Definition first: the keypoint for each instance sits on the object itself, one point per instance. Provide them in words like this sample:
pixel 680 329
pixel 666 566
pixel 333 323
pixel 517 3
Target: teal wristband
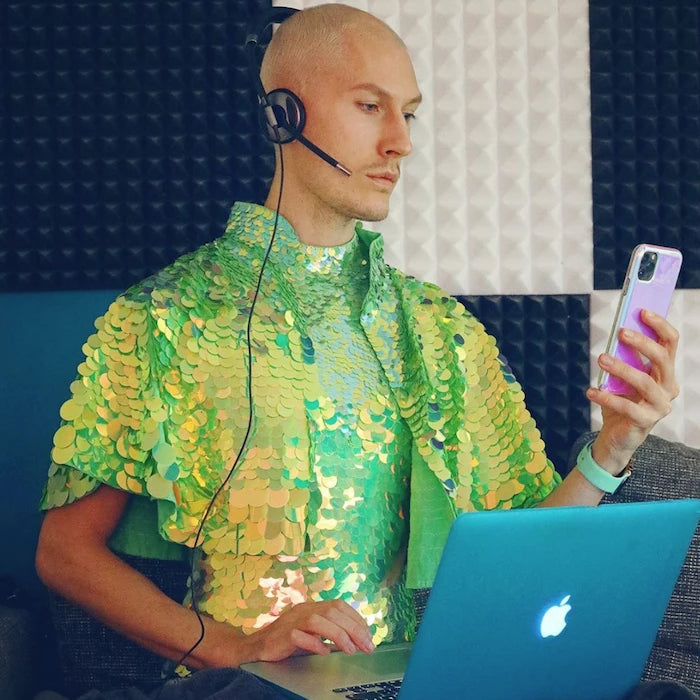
pixel 597 476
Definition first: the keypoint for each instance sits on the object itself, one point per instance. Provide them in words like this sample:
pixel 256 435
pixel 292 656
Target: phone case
pixel 654 294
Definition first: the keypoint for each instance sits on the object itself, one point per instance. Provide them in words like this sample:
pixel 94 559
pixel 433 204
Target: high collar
pixel 253 225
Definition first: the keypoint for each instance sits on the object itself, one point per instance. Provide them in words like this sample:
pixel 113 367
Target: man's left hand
pixel 628 419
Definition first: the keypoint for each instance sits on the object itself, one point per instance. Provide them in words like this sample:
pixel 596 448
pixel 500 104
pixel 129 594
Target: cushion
pixel 17 652
pixel 93 656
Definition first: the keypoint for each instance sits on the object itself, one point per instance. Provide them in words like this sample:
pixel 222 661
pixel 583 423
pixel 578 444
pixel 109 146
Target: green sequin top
pixel 364 381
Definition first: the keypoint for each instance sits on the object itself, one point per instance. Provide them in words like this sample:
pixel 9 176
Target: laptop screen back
pixel 549 603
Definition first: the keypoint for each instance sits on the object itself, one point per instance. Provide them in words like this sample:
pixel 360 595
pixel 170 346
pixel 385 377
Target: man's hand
pixel 627 420
pixel 302 628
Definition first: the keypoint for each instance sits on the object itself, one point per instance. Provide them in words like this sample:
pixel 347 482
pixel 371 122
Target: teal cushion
pixel 43 333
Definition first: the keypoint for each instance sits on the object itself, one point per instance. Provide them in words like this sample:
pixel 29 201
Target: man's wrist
pixel 613 461
pixel 223 646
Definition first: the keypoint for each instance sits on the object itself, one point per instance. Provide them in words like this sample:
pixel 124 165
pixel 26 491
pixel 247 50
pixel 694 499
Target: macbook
pixel 535 604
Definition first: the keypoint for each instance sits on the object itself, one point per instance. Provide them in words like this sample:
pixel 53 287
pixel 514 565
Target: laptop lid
pixel 605 573
pixel 549 603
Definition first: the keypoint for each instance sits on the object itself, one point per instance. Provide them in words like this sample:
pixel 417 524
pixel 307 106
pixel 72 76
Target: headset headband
pixel 276 15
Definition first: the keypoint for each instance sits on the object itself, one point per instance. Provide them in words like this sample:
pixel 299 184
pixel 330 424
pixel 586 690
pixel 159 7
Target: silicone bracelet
pixel 594 473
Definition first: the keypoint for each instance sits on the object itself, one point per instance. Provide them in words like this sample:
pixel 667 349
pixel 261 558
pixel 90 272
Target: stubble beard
pixel 346 200
pixel 363 210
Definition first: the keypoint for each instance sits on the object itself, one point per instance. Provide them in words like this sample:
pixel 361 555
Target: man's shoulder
pixel 186 279
pixel 429 295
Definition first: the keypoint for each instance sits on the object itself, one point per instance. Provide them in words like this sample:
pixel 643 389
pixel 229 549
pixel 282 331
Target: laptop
pixel 535 604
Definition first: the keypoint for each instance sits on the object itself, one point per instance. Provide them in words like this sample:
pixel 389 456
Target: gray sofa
pixel 663 470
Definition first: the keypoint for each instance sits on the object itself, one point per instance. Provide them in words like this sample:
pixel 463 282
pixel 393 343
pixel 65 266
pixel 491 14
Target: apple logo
pixel 554 618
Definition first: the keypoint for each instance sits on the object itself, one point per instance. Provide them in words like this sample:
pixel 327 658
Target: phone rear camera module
pixel 647 266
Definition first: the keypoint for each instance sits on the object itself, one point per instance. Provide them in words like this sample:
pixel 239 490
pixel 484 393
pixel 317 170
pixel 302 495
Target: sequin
pixel 363 379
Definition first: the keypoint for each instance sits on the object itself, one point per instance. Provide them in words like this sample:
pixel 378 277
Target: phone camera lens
pixel 647 266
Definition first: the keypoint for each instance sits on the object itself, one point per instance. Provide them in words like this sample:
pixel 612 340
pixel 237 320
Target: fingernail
pixel 605 360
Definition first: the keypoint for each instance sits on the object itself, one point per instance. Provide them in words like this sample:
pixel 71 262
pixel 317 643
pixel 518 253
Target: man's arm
pixel 74 560
pixel 627 420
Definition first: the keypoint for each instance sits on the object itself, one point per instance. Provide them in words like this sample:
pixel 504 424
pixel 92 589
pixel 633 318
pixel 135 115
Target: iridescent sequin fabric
pixel 363 380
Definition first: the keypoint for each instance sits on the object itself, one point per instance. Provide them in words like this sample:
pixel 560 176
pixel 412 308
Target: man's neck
pixel 313 224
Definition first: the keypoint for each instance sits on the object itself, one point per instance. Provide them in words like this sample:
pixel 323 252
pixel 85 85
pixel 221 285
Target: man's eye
pixel 369 107
pixel 409 116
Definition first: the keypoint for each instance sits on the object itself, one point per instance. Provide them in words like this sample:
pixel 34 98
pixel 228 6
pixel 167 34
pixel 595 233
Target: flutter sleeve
pixel 111 422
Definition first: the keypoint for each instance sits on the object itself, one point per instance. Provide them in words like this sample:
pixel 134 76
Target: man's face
pixel 359 111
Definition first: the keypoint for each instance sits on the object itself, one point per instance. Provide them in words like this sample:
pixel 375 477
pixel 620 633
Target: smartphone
pixel 649 284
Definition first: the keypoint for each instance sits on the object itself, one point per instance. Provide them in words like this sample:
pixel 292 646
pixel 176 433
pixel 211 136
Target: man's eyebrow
pixel 381 92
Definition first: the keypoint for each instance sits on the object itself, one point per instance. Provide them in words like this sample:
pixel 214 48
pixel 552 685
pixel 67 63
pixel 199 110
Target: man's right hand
pixel 302 629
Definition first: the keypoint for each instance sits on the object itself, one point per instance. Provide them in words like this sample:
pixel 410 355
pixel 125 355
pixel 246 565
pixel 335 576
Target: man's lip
pixel 389 176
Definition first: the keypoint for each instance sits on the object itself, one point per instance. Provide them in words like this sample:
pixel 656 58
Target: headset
pixel 282 117
pixel 281 112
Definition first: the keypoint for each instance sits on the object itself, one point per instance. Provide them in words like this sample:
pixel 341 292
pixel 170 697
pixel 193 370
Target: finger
pixel 668 334
pixel 347 610
pixel 308 643
pixel 653 402
pixel 643 415
pixel 322 626
pixel 658 355
pixel 347 618
pixel 645 386
pixel 644 344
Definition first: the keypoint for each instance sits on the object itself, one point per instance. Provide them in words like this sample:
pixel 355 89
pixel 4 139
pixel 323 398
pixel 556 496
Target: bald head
pixel 316 40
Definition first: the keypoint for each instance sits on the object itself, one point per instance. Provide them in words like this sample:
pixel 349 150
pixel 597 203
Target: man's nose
pixel 397 135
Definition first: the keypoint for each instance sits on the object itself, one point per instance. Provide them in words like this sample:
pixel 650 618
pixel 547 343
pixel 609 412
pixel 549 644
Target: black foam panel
pixel 645 129
pixel 545 339
pixel 127 130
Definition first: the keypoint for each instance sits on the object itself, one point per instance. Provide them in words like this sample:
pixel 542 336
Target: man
pixel 364 383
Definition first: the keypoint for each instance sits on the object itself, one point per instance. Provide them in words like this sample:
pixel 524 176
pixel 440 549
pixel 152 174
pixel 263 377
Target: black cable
pixel 267 108
pixel 249 427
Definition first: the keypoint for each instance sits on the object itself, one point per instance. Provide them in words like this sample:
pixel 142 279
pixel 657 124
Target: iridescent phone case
pixel 649 284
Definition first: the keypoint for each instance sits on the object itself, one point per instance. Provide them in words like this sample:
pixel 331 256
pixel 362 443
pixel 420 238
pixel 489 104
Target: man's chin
pixel 374 217
pixel 377 213
pixel 370 208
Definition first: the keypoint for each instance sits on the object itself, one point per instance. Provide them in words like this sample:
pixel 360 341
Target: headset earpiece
pixel 289 114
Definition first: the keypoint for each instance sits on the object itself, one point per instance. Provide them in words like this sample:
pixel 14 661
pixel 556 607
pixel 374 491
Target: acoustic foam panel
pixel 128 129
pixel 645 127
pixel 495 198
pixel 480 67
